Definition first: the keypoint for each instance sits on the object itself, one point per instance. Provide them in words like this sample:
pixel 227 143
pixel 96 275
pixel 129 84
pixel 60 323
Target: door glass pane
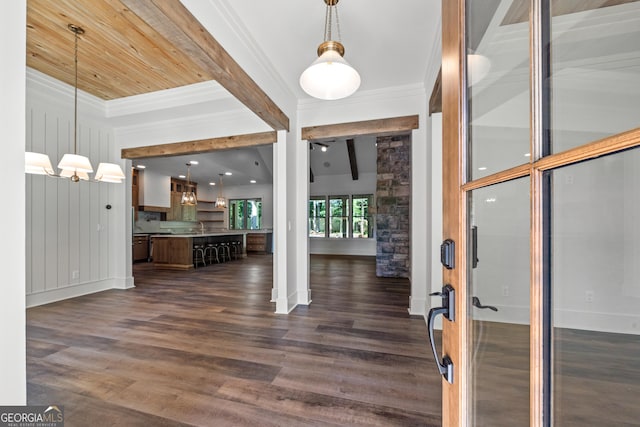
pixel 596 292
pixel 595 70
pixel 498 85
pixel 499 305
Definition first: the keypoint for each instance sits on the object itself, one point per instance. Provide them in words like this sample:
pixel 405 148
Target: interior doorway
pixel 344 209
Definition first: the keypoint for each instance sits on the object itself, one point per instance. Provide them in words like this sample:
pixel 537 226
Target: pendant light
pixel 330 76
pixel 220 200
pixel 73 166
pixel 188 195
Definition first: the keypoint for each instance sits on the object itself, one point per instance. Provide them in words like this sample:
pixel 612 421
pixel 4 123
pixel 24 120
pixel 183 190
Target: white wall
pixel 70 234
pixel 13 26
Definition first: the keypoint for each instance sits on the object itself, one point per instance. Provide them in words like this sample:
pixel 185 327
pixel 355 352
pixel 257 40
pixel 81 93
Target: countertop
pixel 214 233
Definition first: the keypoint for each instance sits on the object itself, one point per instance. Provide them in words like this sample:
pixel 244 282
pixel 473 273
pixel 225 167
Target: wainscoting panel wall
pixel 67 224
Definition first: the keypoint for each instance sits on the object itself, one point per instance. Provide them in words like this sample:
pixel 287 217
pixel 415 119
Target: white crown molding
pixel 53 91
pixel 170 98
pixel 190 128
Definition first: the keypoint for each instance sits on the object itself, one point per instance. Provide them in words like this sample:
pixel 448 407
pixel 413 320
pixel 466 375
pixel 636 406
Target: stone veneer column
pixel 393 206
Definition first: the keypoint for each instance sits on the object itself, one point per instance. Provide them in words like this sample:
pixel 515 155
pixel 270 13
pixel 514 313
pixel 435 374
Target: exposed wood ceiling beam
pixel 353 162
pixel 380 127
pixel 174 22
pixel 200 146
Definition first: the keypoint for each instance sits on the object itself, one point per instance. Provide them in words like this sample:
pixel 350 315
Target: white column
pixel 420 214
pixel 13 24
pixel 279 292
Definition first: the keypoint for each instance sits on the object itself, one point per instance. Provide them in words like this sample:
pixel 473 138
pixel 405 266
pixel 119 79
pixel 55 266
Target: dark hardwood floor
pixel 204 348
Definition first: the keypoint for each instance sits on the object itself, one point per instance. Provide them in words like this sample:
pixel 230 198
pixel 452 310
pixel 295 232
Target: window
pixel 361 221
pixel 245 214
pixel 339 218
pixel 348 216
pixel 317 216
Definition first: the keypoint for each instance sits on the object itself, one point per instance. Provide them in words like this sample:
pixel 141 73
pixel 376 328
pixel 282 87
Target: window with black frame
pixel 245 214
pixel 341 217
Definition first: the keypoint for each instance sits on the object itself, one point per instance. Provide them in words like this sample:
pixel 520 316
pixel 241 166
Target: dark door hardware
pixel 448 311
pixel 448 254
pixel 476 303
pixel 474 247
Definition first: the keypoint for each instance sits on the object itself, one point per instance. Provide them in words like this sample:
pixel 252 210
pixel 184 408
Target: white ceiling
pixel 389 43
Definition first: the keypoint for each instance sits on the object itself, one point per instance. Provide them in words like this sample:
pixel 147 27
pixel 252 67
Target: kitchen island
pixel 175 251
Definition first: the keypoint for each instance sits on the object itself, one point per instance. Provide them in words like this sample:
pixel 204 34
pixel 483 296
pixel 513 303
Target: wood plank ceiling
pixel 121 55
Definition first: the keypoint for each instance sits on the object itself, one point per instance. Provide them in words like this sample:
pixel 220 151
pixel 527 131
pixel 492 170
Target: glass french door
pixel 541 185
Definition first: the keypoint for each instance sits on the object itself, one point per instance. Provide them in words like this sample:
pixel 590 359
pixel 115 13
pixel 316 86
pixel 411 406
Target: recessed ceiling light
pixel 181 176
pixel 527 155
pixel 253 181
pixel 482 168
pixel 491 200
pixel 212 183
pixel 228 173
pixel 323 149
pixel 141 166
pixel 193 162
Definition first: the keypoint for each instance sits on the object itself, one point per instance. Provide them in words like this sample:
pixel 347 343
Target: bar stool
pixel 236 247
pixel 225 251
pixel 211 253
pixel 198 255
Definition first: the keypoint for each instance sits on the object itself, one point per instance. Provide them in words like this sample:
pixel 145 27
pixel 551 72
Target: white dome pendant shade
pixel 330 76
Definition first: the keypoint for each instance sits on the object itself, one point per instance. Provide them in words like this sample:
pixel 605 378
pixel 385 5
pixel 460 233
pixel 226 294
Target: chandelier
pixel 188 195
pixel 73 166
pixel 330 76
pixel 220 200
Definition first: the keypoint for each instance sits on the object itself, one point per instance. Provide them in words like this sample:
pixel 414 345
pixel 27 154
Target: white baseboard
pixel 124 283
pixel 67 292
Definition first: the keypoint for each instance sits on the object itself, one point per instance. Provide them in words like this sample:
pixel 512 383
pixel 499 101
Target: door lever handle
pixel 476 303
pixel 445 368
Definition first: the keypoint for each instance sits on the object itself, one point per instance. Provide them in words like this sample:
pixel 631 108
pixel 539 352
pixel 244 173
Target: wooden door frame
pixel 456 336
pixel 454 136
